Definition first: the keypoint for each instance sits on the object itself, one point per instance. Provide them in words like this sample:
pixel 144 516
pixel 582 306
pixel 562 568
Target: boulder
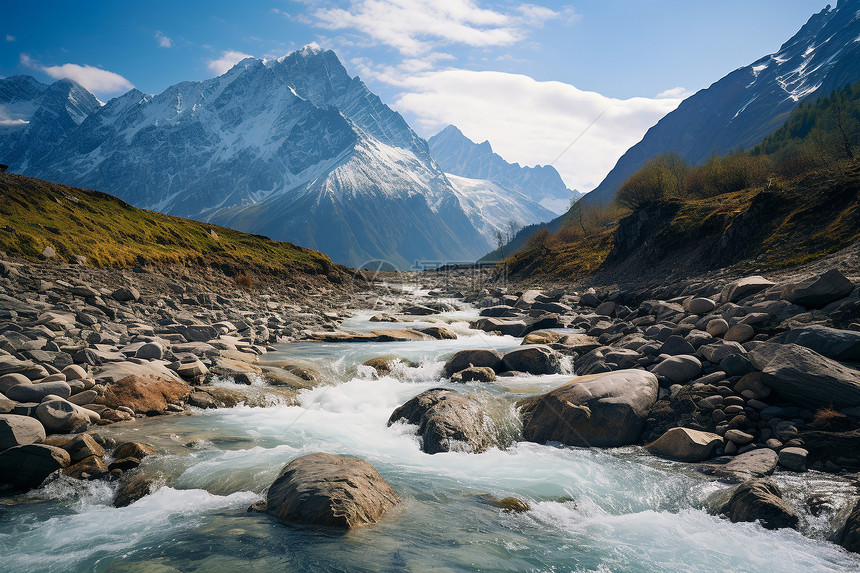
pixel 418 310
pixel 133 450
pixel 805 377
pixel 447 421
pixel 150 351
pixel 581 343
pixel 37 392
pixel 196 332
pixel 62 417
pixel 719 350
pixel 752 464
pixel 739 333
pixel 603 410
pixel 19 431
pixel 533 359
pixel 9 380
pixel 675 345
pixel 499 311
pixel 7 406
pixel 717 327
pixel 125 294
pixel 324 489
pixel 818 292
pixel 542 337
pixel 438 332
pixel 842 345
pixel 793 458
pixel 685 445
pixel 742 288
pixel 474 374
pixel 508 327
pixel 27 368
pixel 527 299
pixel 850 538
pixel 74 372
pixel 679 369
pixel 144 394
pixel 699 305
pixel 478 357
pixel 83 446
pixel 27 466
pixel 135 487
pixel 760 500
pixel 92 467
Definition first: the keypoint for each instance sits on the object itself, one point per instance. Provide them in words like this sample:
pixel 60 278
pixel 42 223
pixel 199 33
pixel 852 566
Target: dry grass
pixel 831 420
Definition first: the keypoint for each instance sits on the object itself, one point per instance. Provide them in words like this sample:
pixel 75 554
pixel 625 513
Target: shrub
pixel 831 420
pixel 244 281
pixel 660 178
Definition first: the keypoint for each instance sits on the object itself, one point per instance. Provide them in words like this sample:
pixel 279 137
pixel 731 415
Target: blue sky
pixel 529 77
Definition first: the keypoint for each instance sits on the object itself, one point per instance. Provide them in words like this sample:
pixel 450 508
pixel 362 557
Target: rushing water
pixel 591 510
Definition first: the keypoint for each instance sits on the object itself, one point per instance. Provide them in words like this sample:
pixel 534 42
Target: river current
pixel 591 510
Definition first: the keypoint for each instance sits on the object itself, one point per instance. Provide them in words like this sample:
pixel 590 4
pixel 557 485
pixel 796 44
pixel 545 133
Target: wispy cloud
pixel 163 40
pixel 416 27
pixel 675 93
pixel 10 38
pixel 96 80
pixel 530 121
pixel 227 60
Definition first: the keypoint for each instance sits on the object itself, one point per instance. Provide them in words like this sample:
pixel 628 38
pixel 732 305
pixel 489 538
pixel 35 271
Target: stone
pixel 133 450
pixel 124 464
pixel 324 489
pixel 92 467
pixel 685 445
pixel 507 327
pixel 511 504
pixel 606 308
pixel 793 458
pixel 805 377
pixel 447 421
pixel 19 431
pixel 742 288
pixel 675 345
pixel 719 350
pixel 760 500
pixel 9 380
pixel 581 343
pixel 439 332
pixel 27 466
pixel 818 292
pixel 7 406
pixel 199 399
pixel 150 351
pixel 739 437
pixel 37 392
pixel 144 394
pixel 74 372
pixel 752 464
pixel 196 332
pixel 699 305
pixel 533 359
pixel 136 487
pixel 474 374
pixel 83 446
pixel 850 537
pixel 62 417
pixel 125 294
pixel 739 333
pixel 603 410
pixel 527 299
pixel 499 311
pixel 478 357
pixel 752 382
pixel 679 369
pixel 841 345
pixel 27 368
pixel 49 253
pixel 717 327
pixel 84 398
pixel 542 337
pixel 736 365
pixel 418 310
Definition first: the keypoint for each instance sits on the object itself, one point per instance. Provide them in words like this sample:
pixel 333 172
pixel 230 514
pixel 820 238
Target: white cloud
pixel 227 60
pixel 533 122
pixel 10 38
pixel 415 27
pixel 675 93
pixel 163 40
pixel 96 80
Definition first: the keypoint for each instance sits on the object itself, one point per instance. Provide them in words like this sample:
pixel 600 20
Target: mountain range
pixel 292 148
pixel 742 108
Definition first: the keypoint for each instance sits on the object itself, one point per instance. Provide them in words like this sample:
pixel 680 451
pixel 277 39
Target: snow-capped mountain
pixel 748 104
pixel 293 148
pixel 458 155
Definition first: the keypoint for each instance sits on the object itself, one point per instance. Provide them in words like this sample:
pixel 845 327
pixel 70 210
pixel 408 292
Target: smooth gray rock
pixel 62 417
pixel 19 431
pixel 719 350
pixel 196 332
pixel 753 464
pixel 793 458
pixel 9 380
pixel 699 305
pixel 685 445
pixel 818 292
pixel 477 357
pixel 36 392
pixel 509 327
pixel 742 288
pixel 805 377
pixel 760 500
pixel 717 327
pixel 676 345
pixel 533 359
pixel 125 294
pixel 604 410
pixel 679 369
pixel 150 351
pixel 842 345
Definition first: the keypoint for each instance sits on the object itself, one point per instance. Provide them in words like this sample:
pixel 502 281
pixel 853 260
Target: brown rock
pixel 133 450
pixel 92 467
pixel 760 500
pixel 144 394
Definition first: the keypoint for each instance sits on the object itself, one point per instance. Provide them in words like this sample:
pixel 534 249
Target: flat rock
pixel 447 421
pixel 685 445
pixel 19 431
pixel 752 464
pixel 602 410
pixel 329 490
pixel 818 292
pixel 842 345
pixel 805 377
pixel 9 380
pixel 742 288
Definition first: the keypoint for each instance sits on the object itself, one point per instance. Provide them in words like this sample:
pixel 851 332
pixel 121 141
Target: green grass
pixel 35 214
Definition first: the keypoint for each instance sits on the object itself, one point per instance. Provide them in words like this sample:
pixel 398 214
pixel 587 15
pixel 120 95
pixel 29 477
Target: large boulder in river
pixel 818 292
pixel 603 410
pixel 144 394
pixel 19 431
pixel 805 377
pixel 842 345
pixel 760 500
pixel 27 466
pixel 752 464
pixel 504 326
pixel 685 445
pixel 324 489
pixel 851 534
pixel 477 357
pixel 447 421
pixel 533 359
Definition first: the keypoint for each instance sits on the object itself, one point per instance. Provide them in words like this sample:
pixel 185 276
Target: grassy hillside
pixel 35 214
pixel 791 200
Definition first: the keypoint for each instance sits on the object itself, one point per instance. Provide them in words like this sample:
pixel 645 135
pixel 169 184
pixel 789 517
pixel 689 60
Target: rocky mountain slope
pixel 293 148
pixel 739 110
pixel 458 155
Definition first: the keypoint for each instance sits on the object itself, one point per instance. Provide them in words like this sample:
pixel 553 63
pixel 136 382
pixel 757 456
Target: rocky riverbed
pixel 741 381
